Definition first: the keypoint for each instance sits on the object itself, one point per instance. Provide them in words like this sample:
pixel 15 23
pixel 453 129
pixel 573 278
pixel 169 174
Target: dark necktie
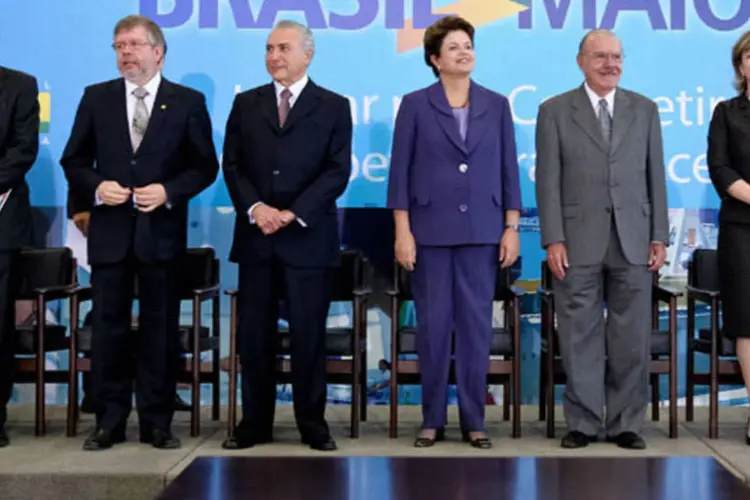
pixel 284 106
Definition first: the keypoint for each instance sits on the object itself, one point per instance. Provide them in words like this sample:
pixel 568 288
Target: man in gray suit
pixel 602 202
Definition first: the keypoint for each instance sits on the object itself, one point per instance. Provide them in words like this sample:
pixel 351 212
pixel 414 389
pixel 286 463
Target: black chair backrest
pixel 45 267
pixel 348 276
pixel 546 275
pixel 703 270
pixel 198 268
pixel 402 282
pixel 503 281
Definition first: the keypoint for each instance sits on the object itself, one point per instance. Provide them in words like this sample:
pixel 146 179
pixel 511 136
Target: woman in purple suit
pixel 455 193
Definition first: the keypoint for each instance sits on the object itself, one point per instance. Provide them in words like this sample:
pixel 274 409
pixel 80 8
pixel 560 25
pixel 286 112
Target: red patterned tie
pixel 284 106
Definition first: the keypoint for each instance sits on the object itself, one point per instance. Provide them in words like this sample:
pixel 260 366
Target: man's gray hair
pixel 594 32
pixel 308 41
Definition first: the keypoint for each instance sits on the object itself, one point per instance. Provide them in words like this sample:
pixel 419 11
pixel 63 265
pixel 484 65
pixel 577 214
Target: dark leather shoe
pixel 576 439
pixel 424 442
pixel 180 404
pixel 628 440
pixel 324 444
pixel 164 440
pixel 102 439
pixel 243 440
pixel 4 441
pixel 483 443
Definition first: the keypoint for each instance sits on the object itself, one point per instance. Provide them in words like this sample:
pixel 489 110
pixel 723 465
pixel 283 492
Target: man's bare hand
pixel 81 220
pixel 287 217
pixel 656 256
pixel 557 259
pixel 112 194
pixel 150 197
pixel 268 219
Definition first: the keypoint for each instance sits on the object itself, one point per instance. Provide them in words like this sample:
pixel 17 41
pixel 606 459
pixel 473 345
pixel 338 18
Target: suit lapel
pixel 118 106
pixel 305 104
pixel 438 100
pixel 584 117
pixel 477 113
pixel 159 112
pixel 268 106
pixel 622 121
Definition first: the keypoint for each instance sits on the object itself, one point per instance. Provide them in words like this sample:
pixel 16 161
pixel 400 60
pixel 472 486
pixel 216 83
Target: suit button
pixel 133 162
pixel 609 210
pixel 463 208
pixel 463 168
pixel 275 172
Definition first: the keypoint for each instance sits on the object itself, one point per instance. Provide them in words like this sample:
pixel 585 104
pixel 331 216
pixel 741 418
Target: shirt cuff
pixel 250 211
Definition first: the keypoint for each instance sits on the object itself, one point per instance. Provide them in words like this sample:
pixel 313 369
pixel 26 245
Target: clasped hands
pixel 147 198
pixel 270 219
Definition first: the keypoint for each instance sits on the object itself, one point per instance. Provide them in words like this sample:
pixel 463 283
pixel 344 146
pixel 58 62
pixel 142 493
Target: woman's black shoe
pixel 483 443
pixel 423 442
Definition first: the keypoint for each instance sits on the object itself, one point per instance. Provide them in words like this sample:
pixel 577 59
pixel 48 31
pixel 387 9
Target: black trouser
pixel 8 288
pixel 156 345
pixel 307 295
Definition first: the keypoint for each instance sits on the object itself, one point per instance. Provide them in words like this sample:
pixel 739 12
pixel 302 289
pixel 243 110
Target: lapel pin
pixel 163 106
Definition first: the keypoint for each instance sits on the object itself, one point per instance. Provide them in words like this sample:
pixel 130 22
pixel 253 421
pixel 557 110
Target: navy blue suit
pixel 456 191
pixel 302 166
pixel 178 152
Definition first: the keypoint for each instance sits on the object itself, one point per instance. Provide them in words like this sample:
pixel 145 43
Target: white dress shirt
pixel 296 89
pixel 595 98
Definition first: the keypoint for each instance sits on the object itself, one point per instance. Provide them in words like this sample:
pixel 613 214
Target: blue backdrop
pixel 677 52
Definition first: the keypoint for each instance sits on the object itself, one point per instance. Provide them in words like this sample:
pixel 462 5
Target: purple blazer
pixel 456 193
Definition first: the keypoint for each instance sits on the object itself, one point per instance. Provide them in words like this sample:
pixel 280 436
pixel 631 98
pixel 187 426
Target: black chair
pixel 663 353
pixel 46 275
pixel 199 282
pixel 346 346
pixel 703 287
pixel 506 343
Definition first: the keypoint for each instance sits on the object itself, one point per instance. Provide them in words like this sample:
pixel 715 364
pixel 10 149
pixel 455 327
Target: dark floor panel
pixel 376 478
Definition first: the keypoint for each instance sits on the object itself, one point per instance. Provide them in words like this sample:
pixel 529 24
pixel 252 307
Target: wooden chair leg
pixel 690 362
pixel 506 399
pixel 216 364
pixel 673 427
pixel 356 370
pixel 393 427
pixel 41 358
pixel 516 368
pixel 232 417
pixel 195 372
pixel 363 386
pixel 713 417
pixel 542 388
pixel 72 392
pixel 654 397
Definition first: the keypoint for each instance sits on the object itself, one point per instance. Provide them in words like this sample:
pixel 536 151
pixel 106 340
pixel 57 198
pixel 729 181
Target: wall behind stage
pixel 677 52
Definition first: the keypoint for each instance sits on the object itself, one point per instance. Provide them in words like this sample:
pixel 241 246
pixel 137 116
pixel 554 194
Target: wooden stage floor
pixel 390 478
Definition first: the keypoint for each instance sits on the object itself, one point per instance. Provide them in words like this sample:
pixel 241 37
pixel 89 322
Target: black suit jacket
pixel 19 145
pixel 729 155
pixel 303 167
pixel 177 152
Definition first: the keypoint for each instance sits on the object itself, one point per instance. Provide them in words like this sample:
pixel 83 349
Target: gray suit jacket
pixel 580 181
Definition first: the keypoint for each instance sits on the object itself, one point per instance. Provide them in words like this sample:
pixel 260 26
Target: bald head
pixel 600 59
